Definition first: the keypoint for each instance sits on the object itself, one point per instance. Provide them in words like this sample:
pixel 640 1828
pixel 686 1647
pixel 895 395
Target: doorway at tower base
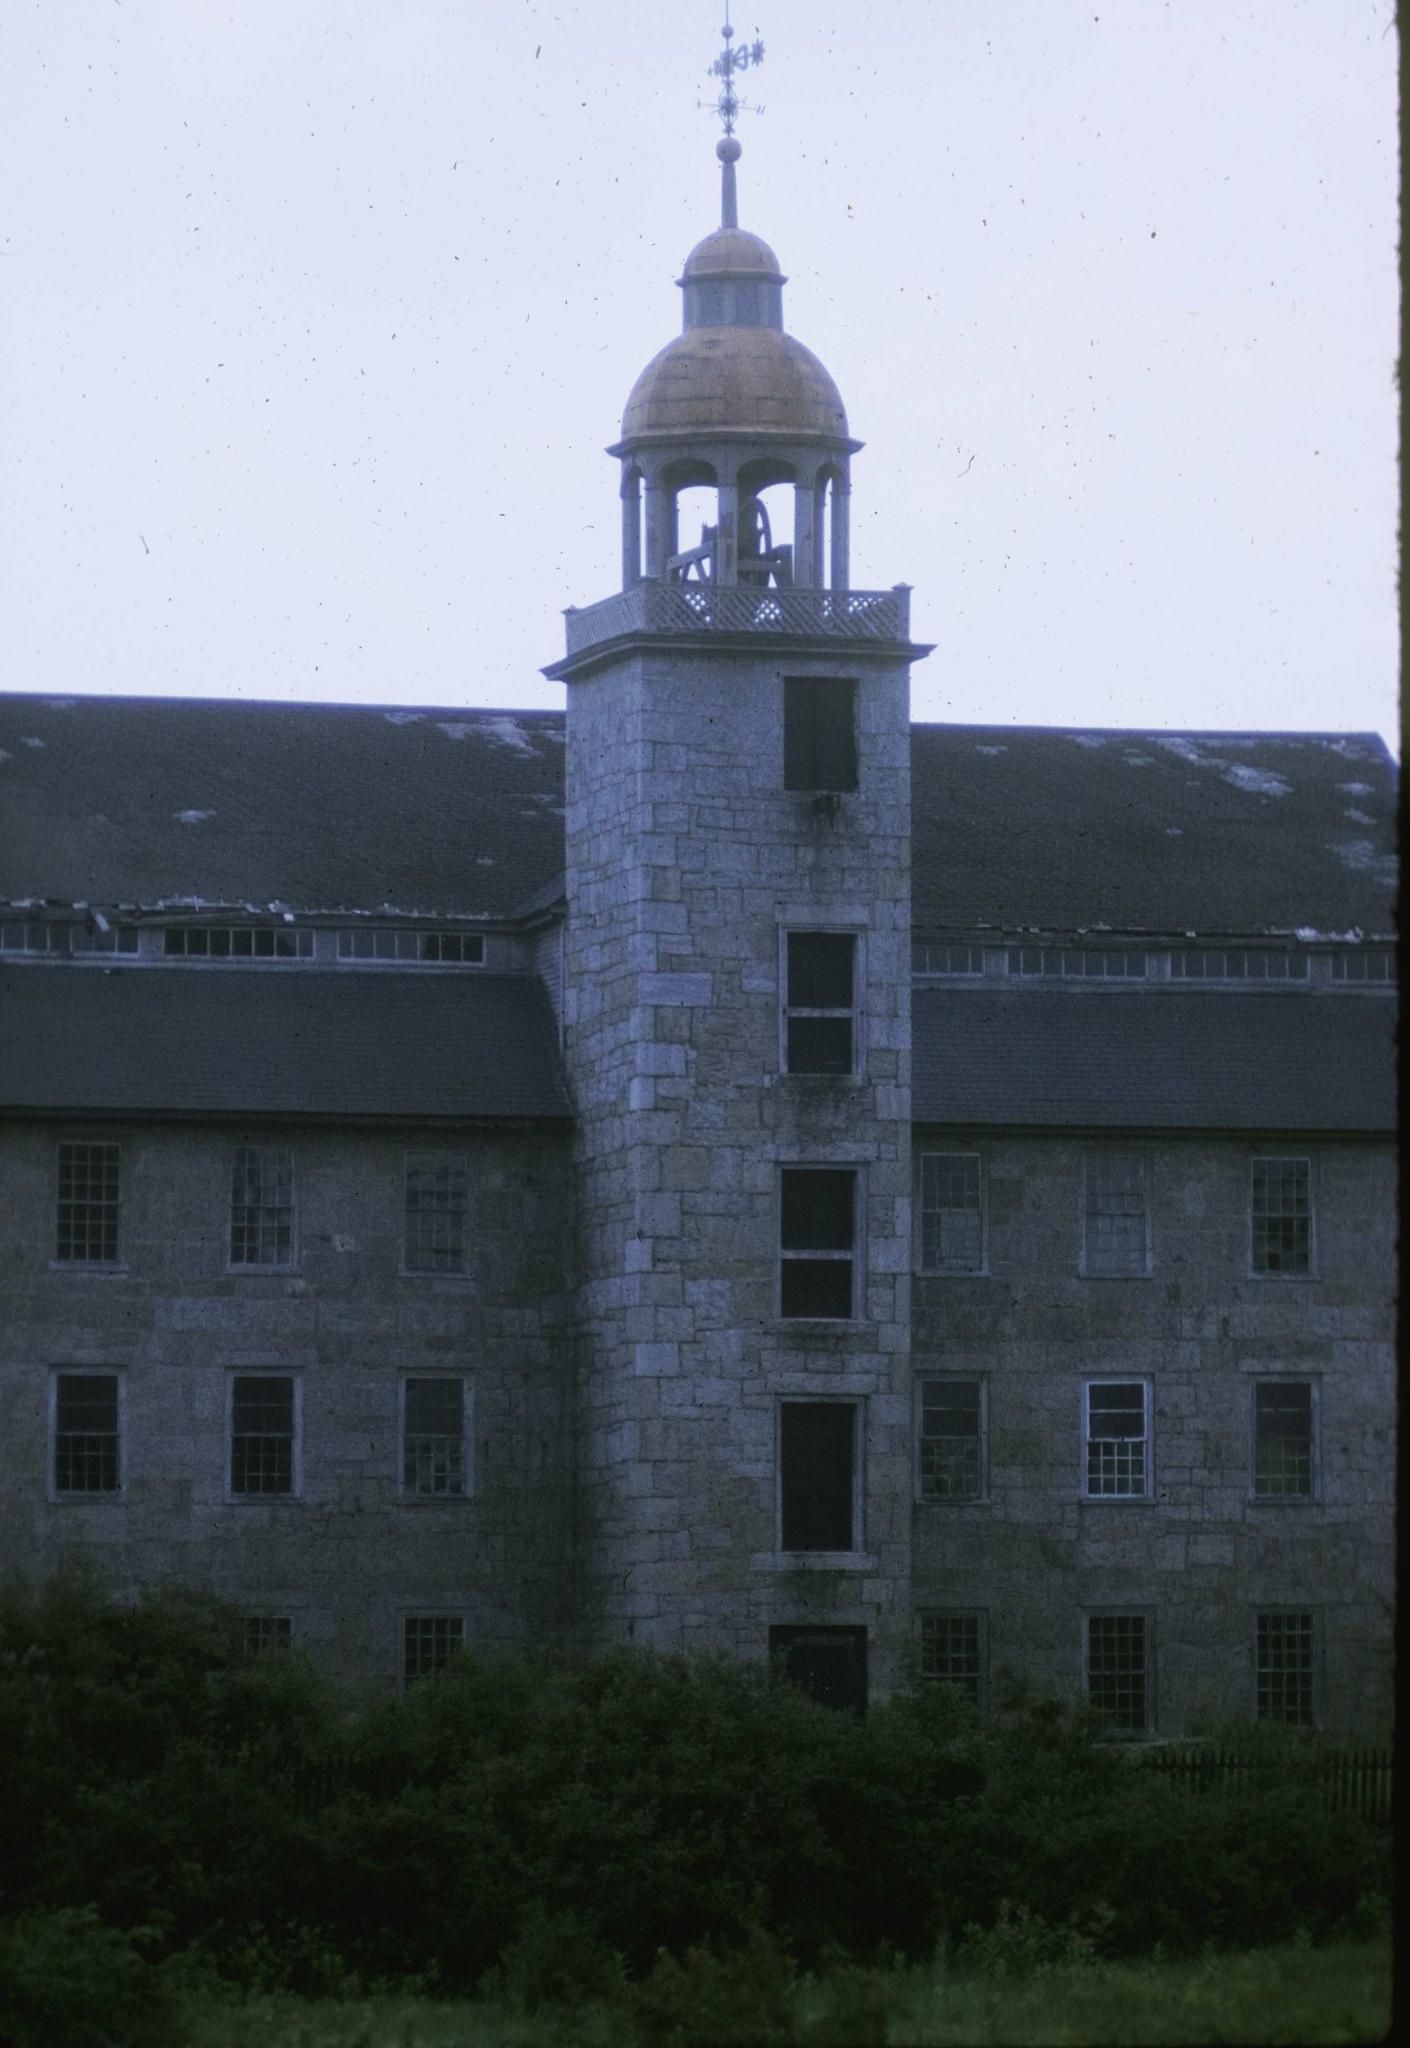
pixel 829 1664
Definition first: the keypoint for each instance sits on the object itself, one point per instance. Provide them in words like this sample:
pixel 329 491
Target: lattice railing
pixel 707 608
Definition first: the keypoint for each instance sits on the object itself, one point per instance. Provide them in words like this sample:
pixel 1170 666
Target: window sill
pixel 263 1272
pixel 820 1084
pixel 263 1500
pixel 103 1269
pixel 1100 1277
pixel 113 1497
pixel 424 1273
pixel 814 1327
pixel 434 1500
pixel 954 1500
pixel 1118 1500
pixel 1298 1501
pixel 1277 1279
pixel 815 1561
pixel 952 1273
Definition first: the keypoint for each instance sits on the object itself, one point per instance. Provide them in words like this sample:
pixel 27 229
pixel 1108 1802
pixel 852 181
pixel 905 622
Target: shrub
pixel 66 1981
pixel 743 1995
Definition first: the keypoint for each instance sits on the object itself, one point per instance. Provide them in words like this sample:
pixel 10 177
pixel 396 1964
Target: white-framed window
pixel 1284 1437
pixel 236 942
pixel 262 1207
pixel 819 1476
pixel 435 1436
pixel 429 1642
pixel 818 1242
pixel 266 1633
pixel 1116 1215
pixel 953 1438
pixel 105 938
pixel 937 956
pixel 954 1650
pixel 437 1212
pixel 1280 1216
pixel 1117 1445
pixel 374 943
pixel 1236 963
pixel 264 1435
pixel 1083 963
pixel 33 935
pixel 819 1002
pixel 1369 963
pixel 952 1212
pixel 1118 1654
pixel 1285 1666
pixel 89 1186
pixel 85 1433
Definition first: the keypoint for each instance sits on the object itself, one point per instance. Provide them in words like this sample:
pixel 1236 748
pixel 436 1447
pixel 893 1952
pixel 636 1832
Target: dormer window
pixel 387 943
pixel 236 942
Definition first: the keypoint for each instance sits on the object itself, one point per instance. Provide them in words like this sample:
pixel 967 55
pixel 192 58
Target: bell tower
pixel 737 1013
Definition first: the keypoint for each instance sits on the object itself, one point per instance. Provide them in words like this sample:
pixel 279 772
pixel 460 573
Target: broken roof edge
pixel 981 933
pixel 1288 734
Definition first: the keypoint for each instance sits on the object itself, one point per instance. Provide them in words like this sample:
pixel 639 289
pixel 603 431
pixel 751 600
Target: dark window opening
pixel 1286 1669
pixel 952 1652
pixel 817 1475
pixel 262 1434
pixel 820 999
pixel 88 1204
pixel 1282 1437
pixel 819 733
pixel 429 1642
pixel 268 1632
pixel 1116 1671
pixel 828 1664
pixel 433 1438
pixel 817 1242
pixel 1282 1216
pixel 86 1433
pixel 952 1440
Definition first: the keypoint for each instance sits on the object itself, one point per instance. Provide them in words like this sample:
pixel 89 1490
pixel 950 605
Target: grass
pixel 1299 1996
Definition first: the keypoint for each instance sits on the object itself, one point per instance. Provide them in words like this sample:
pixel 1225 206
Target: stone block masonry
pixel 676 804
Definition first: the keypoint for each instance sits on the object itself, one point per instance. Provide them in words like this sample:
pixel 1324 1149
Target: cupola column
pixel 727 543
pixel 805 533
pixel 631 526
pixel 660 506
pixel 841 529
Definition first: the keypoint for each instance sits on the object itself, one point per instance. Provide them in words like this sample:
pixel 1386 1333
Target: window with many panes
pixel 952 1439
pixel 934 956
pixel 954 1651
pixel 817 1475
pixel 819 733
pixel 1375 963
pixel 951 1212
pixel 87 1433
pixel 817 1242
pixel 1284 1447
pixel 88 1204
pixel 1285 1667
pixel 437 1209
pixel 1115 1229
pixel 108 938
pixel 429 1641
pixel 263 1423
pixel 1118 1671
pixel 819 1002
pixel 1117 1462
pixel 384 942
pixel 1223 963
pixel 268 1632
pixel 1281 1203
pixel 1083 963
pixel 262 1206
pixel 236 942
pixel 434 1447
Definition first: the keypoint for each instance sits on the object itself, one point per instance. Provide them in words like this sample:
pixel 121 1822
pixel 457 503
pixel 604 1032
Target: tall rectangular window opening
pixel 437 1205
pixel 817 1242
pixel 1285 1663
pixel 1118 1671
pixel 953 1651
pixel 88 1205
pixel 262 1428
pixel 952 1439
pixel 819 733
pixel 1115 1237
pixel 433 1439
pixel 951 1213
pixel 87 1433
pixel 1283 1440
pixel 818 1475
pixel 1282 1215
pixel 1118 1439
pixel 262 1207
pixel 429 1641
pixel 820 1002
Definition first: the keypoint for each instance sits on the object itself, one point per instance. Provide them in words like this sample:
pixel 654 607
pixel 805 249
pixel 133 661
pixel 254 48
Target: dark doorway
pixel 829 1664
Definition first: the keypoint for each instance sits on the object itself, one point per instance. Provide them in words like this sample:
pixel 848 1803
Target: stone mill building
pixel 720 1167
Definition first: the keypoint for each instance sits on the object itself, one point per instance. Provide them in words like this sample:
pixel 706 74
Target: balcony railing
pixel 653 607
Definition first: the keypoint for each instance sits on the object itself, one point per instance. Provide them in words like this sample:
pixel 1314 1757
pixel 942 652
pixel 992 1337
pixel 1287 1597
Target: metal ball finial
pixel 729 149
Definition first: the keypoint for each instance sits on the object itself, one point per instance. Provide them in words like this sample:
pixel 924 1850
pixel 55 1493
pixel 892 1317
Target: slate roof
pixel 1158 1058
pixel 1152 831
pixel 139 801
pixel 277 1042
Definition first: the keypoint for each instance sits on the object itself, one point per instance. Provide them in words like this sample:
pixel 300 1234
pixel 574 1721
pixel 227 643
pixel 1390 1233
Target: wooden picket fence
pixel 1346 1780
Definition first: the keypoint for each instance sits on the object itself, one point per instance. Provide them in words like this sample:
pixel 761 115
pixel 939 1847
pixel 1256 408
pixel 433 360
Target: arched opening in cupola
pixel 831 543
pixel 767 521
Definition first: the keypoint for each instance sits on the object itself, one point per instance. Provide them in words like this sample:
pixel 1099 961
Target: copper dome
pixel 746 380
pixel 731 252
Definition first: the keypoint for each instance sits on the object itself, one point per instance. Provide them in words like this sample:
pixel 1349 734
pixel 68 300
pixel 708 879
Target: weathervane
pixel 727 103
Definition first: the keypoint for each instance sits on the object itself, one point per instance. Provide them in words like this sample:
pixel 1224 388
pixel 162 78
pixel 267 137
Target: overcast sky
pixel 321 312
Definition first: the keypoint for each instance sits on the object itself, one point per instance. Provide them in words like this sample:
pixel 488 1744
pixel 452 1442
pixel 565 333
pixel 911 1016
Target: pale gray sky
pixel 320 313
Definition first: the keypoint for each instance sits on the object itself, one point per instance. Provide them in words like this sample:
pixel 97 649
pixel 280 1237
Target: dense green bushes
pixel 564 1825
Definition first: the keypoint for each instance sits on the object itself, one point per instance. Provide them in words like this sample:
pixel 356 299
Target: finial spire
pixel 729 106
